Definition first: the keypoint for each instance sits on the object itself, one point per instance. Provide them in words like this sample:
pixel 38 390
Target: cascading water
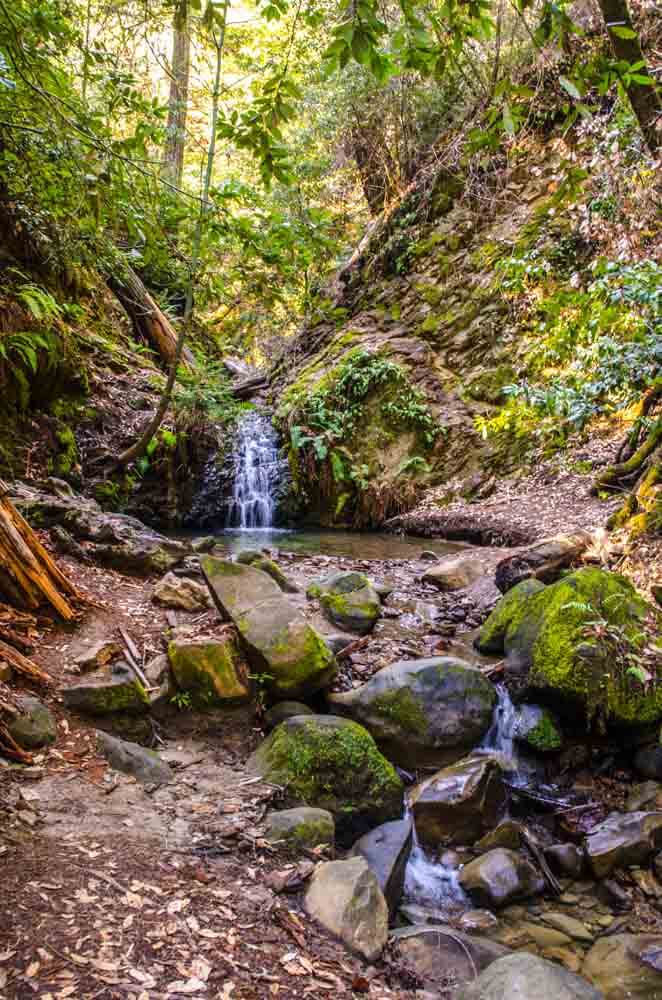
pixel 258 470
pixel 432 882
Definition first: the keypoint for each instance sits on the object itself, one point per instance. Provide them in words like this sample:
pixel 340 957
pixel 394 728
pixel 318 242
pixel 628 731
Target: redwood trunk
pixel 149 322
pixel 173 157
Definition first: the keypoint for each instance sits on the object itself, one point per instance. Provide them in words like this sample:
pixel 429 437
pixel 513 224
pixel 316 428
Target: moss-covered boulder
pixel 290 656
pixel 108 693
pixel 34 726
pixel 559 638
pixel 349 601
pixel 212 671
pixel 538 729
pixel 296 829
pixel 249 557
pixel 333 764
pixel 428 711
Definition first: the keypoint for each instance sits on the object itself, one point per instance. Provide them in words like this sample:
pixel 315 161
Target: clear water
pixel 257 472
pixel 350 544
pixel 431 883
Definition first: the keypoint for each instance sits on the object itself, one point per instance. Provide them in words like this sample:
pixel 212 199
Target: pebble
pixel 569 925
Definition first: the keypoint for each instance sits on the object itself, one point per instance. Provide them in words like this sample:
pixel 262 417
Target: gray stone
pixel 544 560
pixel 108 693
pixel 566 860
pixel 387 851
pixel 131 758
pixel 34 726
pixel 527 977
pixel 428 711
pixel 500 877
pixel 441 955
pixel 623 839
pixel 458 572
pixel 97 654
pixel 301 827
pixel 506 834
pixel 181 592
pixel 460 803
pixel 283 710
pixel 345 898
pixel 337 643
pixel 618 965
pixel 348 600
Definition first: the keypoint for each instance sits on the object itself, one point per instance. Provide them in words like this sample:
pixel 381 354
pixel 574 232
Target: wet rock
pixel 284 710
pixel 107 693
pixel 334 764
pixel 130 758
pixel 348 600
pixel 566 860
pixel 458 572
pixel 181 592
pixel 423 711
pixel 212 672
pixel 478 921
pixel 527 977
pixel 500 877
pixel 542 561
pixel 648 762
pixel 646 797
pixel 441 954
pixel 97 654
pixel 623 839
pixel 618 965
pixel 34 726
pixel 301 827
pixel 506 834
pixel 344 896
pixel 278 641
pixel 538 729
pixel 460 803
pixel 387 851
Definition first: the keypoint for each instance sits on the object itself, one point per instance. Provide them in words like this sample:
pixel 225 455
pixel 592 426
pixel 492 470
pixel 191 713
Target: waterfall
pixel 257 472
pixel 499 740
pixel 430 882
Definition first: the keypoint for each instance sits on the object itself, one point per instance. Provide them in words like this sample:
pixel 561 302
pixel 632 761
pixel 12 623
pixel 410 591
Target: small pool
pixel 351 544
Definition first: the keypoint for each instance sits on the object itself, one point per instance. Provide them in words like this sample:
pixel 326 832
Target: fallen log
pixel 22 665
pixel 542 561
pixel 149 322
pixel 10 748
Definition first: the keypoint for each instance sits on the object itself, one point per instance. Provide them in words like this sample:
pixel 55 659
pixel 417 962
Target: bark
pixel 644 98
pixel 173 156
pixel 28 575
pixel 149 322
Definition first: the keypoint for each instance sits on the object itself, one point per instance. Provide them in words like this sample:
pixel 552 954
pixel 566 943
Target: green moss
pixel 67 457
pixel 212 673
pixel 403 708
pixel 545 736
pixel 508 613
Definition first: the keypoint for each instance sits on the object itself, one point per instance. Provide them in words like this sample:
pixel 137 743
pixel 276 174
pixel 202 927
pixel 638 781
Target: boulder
pixel 506 614
pixel 212 671
pixel 527 977
pixel 302 827
pixel 544 560
pixel 645 797
pixel 626 966
pixel 460 803
pixel 457 572
pixel 34 726
pixel 279 643
pixel 500 877
pixel 107 693
pixel 566 860
pixel 441 955
pixel 130 758
pixel 538 729
pixel 345 898
pixel 623 839
pixel 546 641
pixel 427 711
pixel 271 568
pixel 387 851
pixel 506 834
pixel 284 710
pixel 97 654
pixel 349 601
pixel 334 764
pixel 181 592
pixel 648 762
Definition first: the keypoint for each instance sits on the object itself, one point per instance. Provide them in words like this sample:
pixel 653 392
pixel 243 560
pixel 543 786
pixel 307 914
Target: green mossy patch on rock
pixel 509 612
pixel 213 673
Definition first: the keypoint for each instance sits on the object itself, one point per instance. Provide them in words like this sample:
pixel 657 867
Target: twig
pixel 133 657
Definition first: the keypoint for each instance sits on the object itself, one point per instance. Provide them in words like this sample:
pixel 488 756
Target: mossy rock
pixel 552 641
pixel 349 601
pixel 509 611
pixel 334 764
pixel 102 694
pixel 212 672
pixel 300 828
pixel 538 728
pixel 273 570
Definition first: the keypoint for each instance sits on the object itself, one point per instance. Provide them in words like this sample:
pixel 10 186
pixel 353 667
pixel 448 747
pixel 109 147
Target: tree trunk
pixel 149 322
pixel 28 574
pixel 644 98
pixel 173 156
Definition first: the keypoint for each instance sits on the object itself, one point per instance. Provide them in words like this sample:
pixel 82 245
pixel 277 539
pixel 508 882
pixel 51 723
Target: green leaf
pixel 622 32
pixel 570 87
pixel 508 123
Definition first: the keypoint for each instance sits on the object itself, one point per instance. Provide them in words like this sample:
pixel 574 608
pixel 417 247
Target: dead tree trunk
pixel 149 322
pixel 28 575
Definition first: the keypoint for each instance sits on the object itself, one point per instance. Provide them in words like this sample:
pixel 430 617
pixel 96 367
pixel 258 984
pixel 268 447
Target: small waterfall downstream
pixel 257 472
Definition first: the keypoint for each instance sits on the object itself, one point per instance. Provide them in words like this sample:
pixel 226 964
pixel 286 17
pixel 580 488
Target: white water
pixel 258 469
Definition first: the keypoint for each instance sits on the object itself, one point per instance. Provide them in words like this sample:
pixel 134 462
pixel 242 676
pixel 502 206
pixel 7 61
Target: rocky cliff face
pixel 422 298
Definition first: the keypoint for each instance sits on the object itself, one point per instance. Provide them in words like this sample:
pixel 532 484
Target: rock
pixel 250 557
pixel 614 896
pixel 646 797
pixel 159 676
pixel 542 561
pixel 130 758
pixel 538 729
pixel 204 544
pixel 441 955
pixel 337 643
pixel 213 671
pixel 181 592
pixel 345 898
pixel 106 694
pixel 477 921
pixel 387 851
pixel 566 860
pixel 506 614
pixel 506 834
pixel 349 601
pixel 574 928
pixel 278 641
pixel 334 764
pixel 34 726
pixel 546 641
pixel 623 839
pixel 384 590
pixel 527 977
pixel 300 827
pixel 458 572
pixel 427 711
pixel 97 654
pixel 283 710
pixel 648 762
pixel 460 803
pixel 616 966
pixel 500 877
pixel 428 556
